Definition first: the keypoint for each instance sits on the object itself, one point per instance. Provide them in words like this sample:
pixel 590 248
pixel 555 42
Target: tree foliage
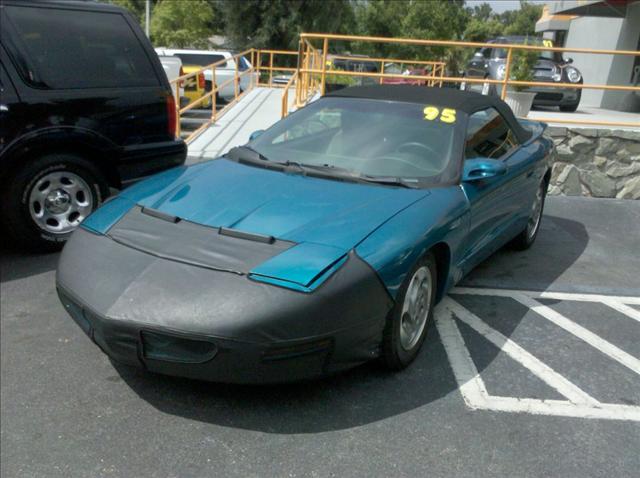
pixel 485 24
pixel 180 24
pixel 433 20
pixel 523 21
pixel 277 23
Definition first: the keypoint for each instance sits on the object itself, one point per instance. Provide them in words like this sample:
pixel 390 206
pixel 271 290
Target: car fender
pixel 442 217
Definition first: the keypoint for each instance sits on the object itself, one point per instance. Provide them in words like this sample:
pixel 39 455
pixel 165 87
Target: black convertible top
pixel 467 101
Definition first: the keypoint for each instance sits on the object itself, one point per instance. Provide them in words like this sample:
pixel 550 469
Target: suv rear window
pixel 60 48
pixel 200 59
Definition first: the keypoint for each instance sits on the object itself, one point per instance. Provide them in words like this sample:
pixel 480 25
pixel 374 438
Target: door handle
pixel 529 174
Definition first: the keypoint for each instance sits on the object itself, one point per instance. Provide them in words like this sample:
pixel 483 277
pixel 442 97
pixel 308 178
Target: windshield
pixel 554 56
pixel 371 138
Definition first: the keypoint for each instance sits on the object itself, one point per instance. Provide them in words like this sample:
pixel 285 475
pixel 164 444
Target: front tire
pixel 49 197
pixel 527 237
pixel 411 315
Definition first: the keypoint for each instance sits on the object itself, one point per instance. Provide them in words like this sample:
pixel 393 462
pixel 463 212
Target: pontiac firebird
pixel 323 243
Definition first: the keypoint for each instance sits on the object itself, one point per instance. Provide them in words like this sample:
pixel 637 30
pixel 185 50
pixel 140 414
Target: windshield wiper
pixel 240 152
pixel 317 167
pixel 390 180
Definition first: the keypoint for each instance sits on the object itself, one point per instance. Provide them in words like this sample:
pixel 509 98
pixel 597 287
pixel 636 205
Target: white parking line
pixel 547 295
pixel 472 387
pixel 520 355
pixel 623 308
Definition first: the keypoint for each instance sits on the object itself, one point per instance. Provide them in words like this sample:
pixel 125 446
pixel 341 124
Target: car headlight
pixel 500 72
pixel 573 74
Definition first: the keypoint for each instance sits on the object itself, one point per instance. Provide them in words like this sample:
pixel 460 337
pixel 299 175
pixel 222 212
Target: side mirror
pixel 255 134
pixel 477 169
pixel 568 60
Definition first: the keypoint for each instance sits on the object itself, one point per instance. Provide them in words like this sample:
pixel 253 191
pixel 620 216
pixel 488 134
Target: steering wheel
pixel 413 145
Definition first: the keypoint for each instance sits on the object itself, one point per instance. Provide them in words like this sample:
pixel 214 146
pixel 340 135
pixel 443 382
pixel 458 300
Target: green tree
pixel 277 23
pixel 523 21
pixel 432 20
pixel 483 30
pixel 180 24
pixel 482 12
pixel 135 7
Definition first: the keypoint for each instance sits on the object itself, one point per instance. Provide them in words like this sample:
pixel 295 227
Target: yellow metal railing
pixel 255 72
pixel 434 69
pixel 272 55
pixel 285 94
pixel 309 76
pixel 306 88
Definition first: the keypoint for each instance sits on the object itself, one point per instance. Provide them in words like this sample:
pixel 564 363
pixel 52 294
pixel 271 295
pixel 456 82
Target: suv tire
pixel 48 197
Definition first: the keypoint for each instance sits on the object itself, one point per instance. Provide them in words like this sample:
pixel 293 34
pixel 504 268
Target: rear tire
pixel 47 199
pixel 527 237
pixel 411 315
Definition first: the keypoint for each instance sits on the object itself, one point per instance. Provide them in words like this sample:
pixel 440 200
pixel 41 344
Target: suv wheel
pixel 49 197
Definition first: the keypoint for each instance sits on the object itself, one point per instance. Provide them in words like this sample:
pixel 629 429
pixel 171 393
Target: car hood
pixel 321 220
pixel 292 207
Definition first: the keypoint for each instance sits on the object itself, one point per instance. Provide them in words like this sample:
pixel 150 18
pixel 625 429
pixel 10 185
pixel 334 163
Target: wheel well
pixel 30 152
pixel 442 254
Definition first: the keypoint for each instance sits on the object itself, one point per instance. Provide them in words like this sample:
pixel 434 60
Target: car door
pixel 496 203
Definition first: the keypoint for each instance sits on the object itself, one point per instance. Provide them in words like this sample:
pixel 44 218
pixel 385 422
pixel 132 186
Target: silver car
pixel 490 62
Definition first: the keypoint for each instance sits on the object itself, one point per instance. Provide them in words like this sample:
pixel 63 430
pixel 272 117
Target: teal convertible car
pixel 323 243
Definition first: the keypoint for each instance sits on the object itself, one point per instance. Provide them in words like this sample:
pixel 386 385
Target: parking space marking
pixel 520 355
pixel 578 404
pixel 623 308
pixel 528 300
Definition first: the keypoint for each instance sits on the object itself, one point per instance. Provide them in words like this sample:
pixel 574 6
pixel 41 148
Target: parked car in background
pixel 490 62
pixel 396 69
pixel 352 63
pixel 193 60
pixel 172 66
pixel 85 107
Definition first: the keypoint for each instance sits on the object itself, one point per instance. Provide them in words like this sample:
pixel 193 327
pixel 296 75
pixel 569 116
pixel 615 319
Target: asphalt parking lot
pixel 531 369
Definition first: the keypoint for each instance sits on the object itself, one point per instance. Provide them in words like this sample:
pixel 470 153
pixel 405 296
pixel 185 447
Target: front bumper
pixel 249 332
pixel 547 96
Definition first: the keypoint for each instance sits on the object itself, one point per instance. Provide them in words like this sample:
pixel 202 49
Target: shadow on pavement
pixel 17 264
pixel 367 393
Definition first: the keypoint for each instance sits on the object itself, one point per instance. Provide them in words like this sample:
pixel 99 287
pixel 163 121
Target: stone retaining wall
pixel 596 162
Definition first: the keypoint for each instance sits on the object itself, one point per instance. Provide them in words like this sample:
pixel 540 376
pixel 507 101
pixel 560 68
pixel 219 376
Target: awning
pixel 590 8
pixel 549 22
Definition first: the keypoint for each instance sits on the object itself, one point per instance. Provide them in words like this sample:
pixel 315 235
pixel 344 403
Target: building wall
pixel 606 34
pixel 622 66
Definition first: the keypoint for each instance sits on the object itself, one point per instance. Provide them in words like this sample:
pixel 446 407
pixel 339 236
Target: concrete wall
pixel 606 34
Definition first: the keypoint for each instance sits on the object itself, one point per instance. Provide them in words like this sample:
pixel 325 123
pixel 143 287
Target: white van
pixel 172 66
pixel 224 72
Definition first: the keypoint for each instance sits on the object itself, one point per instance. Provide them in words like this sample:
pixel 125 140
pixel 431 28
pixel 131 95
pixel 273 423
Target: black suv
pixel 85 106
